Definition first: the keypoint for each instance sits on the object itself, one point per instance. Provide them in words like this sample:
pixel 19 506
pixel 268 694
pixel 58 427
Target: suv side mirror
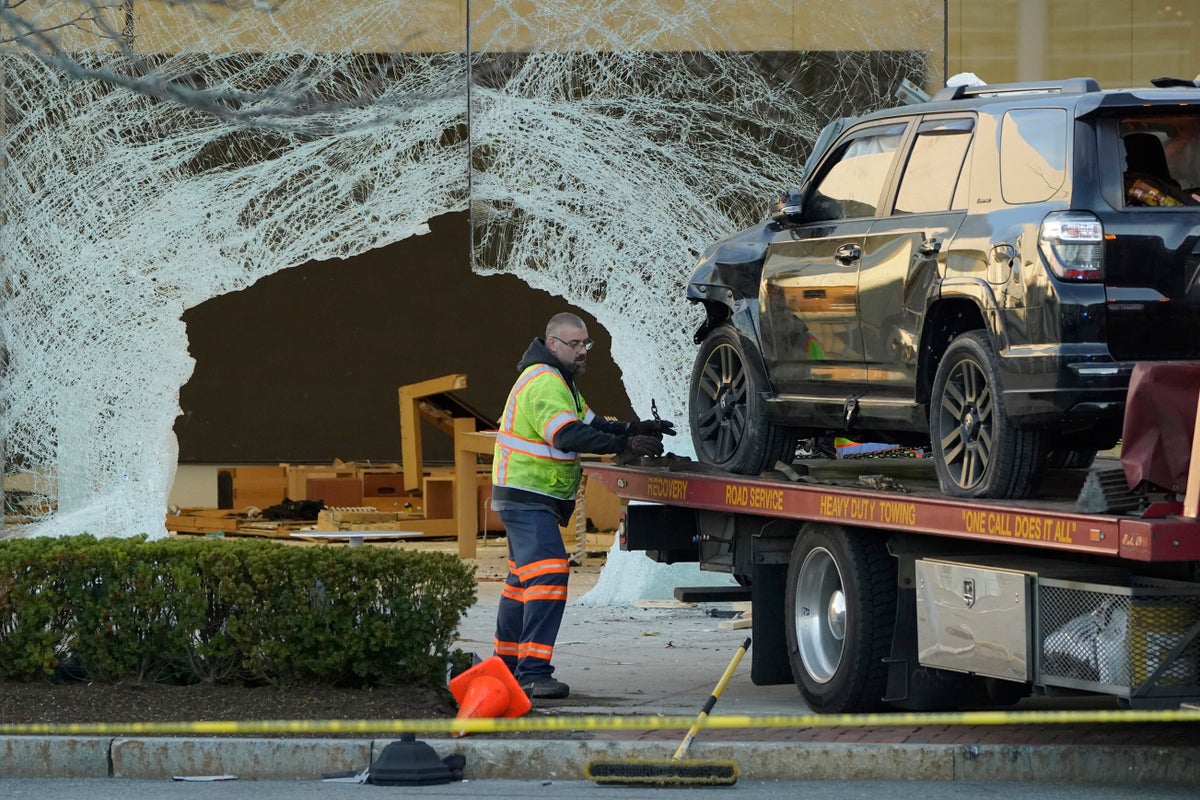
pixel 789 208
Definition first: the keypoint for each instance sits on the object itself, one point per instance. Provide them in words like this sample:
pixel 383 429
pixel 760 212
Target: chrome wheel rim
pixel 820 615
pixel 720 404
pixel 966 423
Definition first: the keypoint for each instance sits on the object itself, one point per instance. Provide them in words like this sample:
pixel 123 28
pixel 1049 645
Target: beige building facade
pixel 269 336
pixel 1119 42
pixel 527 25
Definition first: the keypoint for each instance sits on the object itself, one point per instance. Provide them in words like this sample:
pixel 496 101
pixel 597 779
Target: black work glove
pixel 652 427
pixel 643 446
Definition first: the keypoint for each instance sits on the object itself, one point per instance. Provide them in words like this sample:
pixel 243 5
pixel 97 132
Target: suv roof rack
pixel 1068 86
pixel 1174 83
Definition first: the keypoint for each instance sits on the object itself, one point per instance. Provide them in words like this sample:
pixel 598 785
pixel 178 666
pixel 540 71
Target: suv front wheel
pixel 977 451
pixel 729 426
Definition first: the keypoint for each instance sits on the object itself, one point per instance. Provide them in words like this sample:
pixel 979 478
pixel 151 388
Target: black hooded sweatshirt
pixel 598 436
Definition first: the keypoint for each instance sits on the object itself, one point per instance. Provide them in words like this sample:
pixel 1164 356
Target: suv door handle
pixel 930 247
pixel 847 254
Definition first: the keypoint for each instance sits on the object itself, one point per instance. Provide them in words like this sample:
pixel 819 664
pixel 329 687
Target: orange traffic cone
pixel 488 690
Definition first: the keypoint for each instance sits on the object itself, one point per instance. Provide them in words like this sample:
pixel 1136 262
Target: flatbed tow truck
pixel 872 591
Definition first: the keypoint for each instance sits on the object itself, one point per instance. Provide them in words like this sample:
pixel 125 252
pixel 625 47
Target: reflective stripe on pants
pixel 535 592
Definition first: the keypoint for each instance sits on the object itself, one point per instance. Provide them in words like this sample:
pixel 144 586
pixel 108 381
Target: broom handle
pixel 712 701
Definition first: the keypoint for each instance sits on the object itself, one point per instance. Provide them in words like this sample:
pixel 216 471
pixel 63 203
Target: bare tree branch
pixel 292 104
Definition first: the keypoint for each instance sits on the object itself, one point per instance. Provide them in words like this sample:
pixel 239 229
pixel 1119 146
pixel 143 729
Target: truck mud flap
pixel 912 687
pixel 769 664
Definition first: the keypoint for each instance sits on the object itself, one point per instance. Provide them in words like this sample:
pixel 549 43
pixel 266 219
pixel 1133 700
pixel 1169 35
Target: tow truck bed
pixel 837 495
pixel 870 589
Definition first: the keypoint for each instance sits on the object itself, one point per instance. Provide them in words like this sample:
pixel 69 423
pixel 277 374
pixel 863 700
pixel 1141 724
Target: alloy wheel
pixel 721 403
pixel 966 417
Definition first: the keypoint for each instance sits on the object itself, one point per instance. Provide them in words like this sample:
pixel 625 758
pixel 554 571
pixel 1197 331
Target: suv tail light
pixel 1072 242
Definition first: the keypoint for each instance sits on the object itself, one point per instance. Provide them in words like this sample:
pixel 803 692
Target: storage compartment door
pixel 974 619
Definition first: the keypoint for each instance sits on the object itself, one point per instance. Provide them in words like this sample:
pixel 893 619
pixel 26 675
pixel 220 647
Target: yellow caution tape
pixel 593 723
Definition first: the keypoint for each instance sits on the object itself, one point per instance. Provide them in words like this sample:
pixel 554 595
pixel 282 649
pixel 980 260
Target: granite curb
pixel 525 759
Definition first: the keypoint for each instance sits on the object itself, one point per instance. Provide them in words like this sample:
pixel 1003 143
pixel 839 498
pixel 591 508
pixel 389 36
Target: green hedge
pixel 228 611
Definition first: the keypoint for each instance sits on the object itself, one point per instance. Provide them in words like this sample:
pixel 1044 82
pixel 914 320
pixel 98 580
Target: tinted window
pixel 1161 159
pixel 932 171
pixel 1033 154
pixel 851 187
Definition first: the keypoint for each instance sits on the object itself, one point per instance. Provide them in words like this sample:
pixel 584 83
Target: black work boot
pixel 545 688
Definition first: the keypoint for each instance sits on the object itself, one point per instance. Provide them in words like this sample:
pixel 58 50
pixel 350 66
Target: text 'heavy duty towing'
pixel 869 591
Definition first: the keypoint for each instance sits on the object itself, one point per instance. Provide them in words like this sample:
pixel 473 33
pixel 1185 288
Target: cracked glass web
pixel 598 146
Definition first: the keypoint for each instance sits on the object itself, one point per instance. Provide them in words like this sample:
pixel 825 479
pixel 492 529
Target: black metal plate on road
pixel 712 594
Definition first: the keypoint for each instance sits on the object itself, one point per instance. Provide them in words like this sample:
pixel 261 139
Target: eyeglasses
pixel 575 344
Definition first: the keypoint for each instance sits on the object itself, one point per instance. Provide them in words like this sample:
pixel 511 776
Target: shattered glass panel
pixel 159 153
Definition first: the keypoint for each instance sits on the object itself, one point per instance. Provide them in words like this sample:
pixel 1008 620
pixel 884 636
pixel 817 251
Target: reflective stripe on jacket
pixel 538 406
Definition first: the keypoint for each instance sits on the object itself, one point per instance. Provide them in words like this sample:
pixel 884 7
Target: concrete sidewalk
pixel 663 660
pixel 658 661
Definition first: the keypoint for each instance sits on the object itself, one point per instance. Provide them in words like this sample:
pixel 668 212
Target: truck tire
pixel 977 451
pixel 729 427
pixel 841 613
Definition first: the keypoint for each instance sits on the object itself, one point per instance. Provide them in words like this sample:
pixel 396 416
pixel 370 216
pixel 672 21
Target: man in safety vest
pixel 535 473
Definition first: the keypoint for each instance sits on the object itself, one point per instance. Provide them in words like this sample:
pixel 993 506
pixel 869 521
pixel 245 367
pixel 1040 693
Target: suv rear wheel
pixel 729 426
pixel 977 451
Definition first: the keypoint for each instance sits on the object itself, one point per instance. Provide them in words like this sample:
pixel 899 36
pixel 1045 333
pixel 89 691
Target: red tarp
pixel 1160 419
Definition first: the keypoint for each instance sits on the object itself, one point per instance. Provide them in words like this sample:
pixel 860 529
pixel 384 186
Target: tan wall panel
pixel 746 25
pixel 306 25
pixel 522 25
pixel 658 25
pixel 868 25
pixel 1117 42
pixel 1166 41
pixel 953 41
pixel 1097 45
pixel 982 38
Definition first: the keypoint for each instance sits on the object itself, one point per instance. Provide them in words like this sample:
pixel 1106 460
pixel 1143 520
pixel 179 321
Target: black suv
pixel 977 273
